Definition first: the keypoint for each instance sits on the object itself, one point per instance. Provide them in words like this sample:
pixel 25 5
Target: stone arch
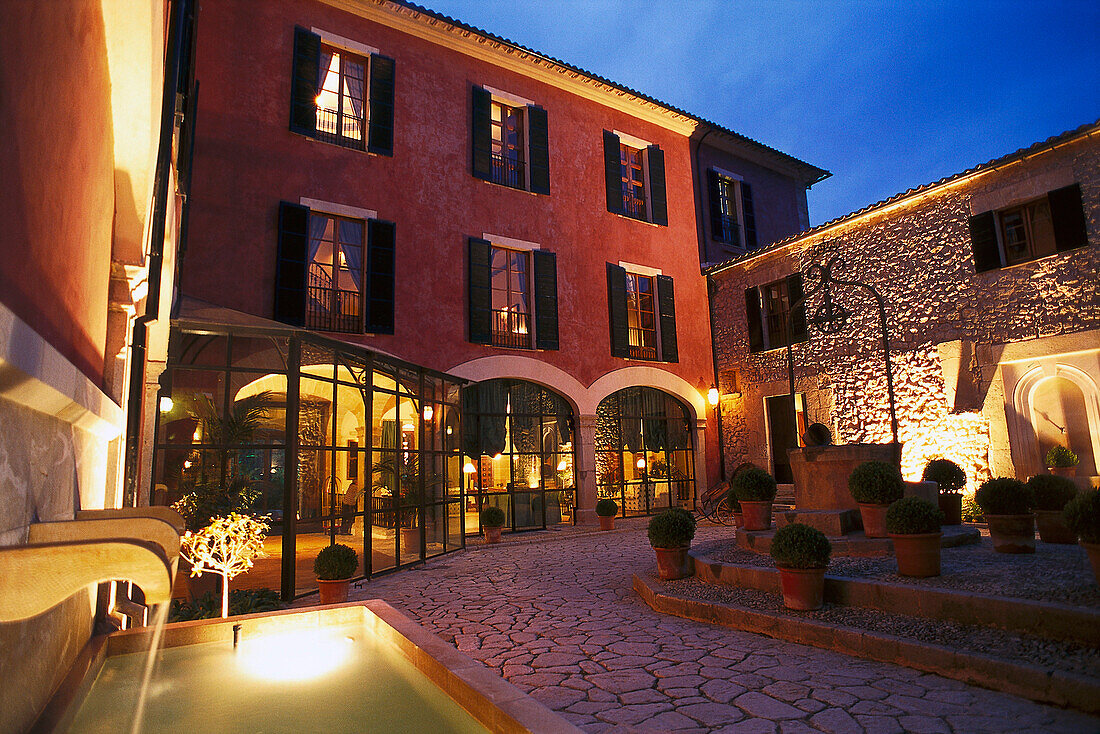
pixel 1025 440
pixel 639 376
pixel 525 368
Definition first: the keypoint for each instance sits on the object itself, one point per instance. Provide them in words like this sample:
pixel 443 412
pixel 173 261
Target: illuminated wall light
pixel 449 430
pixel 428 412
pixel 712 396
pixel 408 427
pixel 187 464
pixel 641 462
pixel 197 435
pixel 497 457
pixel 165 404
pixel 561 465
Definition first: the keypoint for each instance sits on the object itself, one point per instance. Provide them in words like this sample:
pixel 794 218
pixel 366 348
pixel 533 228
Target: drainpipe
pixel 177 45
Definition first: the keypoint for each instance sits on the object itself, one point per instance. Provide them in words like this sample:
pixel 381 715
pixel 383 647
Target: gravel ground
pixel 1054 573
pixel 1011 646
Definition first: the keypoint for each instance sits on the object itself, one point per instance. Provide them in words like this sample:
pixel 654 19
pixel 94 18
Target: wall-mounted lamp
pixel 712 396
pixel 641 462
pixel 165 404
pixel 428 412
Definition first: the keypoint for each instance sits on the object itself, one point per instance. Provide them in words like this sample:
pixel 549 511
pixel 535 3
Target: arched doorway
pixel 1059 415
pixel 644 451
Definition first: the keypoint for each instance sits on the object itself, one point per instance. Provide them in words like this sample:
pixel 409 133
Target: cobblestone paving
pixel 556 616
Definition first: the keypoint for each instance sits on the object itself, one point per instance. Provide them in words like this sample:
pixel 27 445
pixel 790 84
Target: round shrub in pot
pixel 492 520
pixel 670 534
pixel 1051 493
pixel 1082 514
pixel 334 567
pixel 1061 461
pixel 950 478
pixel 1007 504
pixel 874 486
pixel 754 489
pixel 606 510
pixel 801 554
pixel 913 525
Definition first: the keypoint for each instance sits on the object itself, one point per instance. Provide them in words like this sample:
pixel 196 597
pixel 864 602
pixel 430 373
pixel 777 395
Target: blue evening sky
pixel 887 95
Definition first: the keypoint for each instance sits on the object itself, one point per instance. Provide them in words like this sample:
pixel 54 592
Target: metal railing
pixel 636 338
pixel 345 130
pixel 507 170
pixel 633 205
pixel 333 310
pixel 511 329
pixel 726 229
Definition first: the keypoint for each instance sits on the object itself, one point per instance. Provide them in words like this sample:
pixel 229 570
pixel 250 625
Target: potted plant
pixel 1051 494
pixel 670 534
pixel 875 485
pixel 1007 504
pixel 1061 461
pixel 801 554
pixel 754 489
pixel 492 520
pixel 334 566
pixel 913 525
pixel 225 547
pixel 606 510
pixel 1083 517
pixel 950 478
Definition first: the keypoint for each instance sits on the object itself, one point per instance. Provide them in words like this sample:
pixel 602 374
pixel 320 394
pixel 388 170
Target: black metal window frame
pixel 344 114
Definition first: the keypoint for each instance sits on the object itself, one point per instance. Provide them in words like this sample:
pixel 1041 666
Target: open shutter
pixel 481 135
pixel 750 216
pixel 714 195
pixel 381 276
pixel 612 172
pixel 666 311
pixel 546 300
pixel 291 265
pixel 1068 217
pixel 380 130
pixel 798 316
pixel 658 202
pixel 540 150
pixel 480 292
pixel 303 82
pixel 616 309
pixel 983 240
pixel 752 315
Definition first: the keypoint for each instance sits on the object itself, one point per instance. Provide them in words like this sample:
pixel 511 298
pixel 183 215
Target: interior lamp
pixel 469 468
pixel 561 465
pixel 428 412
pixel 712 396
pixel 165 404
pixel 641 462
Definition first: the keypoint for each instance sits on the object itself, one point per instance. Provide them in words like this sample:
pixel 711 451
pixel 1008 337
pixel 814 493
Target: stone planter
pixel 803 588
pixel 674 563
pixel 492 535
pixel 1093 549
pixel 1052 527
pixel 951 505
pixel 874 520
pixel 1069 472
pixel 918 555
pixel 607 523
pixel 1012 533
pixel 410 540
pixel 738 520
pixel 756 515
pixel 333 591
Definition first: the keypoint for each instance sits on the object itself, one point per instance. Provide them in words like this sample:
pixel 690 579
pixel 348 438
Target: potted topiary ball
pixel 951 479
pixel 875 485
pixel 1083 517
pixel 1051 494
pixel 1007 504
pixel 670 534
pixel 754 489
pixel 334 566
pixel 492 520
pixel 606 510
pixel 801 554
pixel 913 525
pixel 1062 462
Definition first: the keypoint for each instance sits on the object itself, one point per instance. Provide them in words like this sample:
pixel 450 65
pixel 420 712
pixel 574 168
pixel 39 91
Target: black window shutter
pixel 612 172
pixel 750 216
pixel 303 82
pixel 983 239
pixel 657 200
pixel 752 315
pixel 666 309
pixel 714 191
pixel 380 277
pixel 380 130
pixel 546 300
pixel 540 150
pixel 291 265
pixel 480 292
pixel 481 135
pixel 616 309
pixel 1068 217
pixel 798 316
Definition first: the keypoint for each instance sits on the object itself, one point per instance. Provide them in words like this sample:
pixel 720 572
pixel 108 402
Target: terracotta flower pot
pixel 1069 472
pixel 607 523
pixel 918 555
pixel 334 591
pixel 951 505
pixel 1012 533
pixel 410 540
pixel 803 588
pixel 1052 527
pixel 674 563
pixel 738 520
pixel 1093 549
pixel 492 535
pixel 756 515
pixel 874 520
pixel 198 586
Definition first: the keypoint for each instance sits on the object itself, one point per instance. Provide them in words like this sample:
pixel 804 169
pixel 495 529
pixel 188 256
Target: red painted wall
pixel 56 174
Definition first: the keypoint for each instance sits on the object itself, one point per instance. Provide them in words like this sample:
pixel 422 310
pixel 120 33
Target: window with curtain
pixel 335 296
pixel 506 131
pixel 509 273
pixel 633 181
pixel 340 110
pixel 641 317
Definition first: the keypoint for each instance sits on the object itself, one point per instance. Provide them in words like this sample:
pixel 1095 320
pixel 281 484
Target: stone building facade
pixel 989 282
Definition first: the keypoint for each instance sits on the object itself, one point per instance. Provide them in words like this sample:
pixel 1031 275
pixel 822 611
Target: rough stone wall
pixel 918 256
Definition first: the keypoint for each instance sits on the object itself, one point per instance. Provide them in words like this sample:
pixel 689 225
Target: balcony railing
pixel 345 130
pixel 511 329
pixel 633 205
pixel 334 310
pixel 507 170
pixel 637 338
pixel 727 229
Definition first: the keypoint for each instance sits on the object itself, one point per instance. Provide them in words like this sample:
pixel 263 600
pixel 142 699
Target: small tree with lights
pixel 226 547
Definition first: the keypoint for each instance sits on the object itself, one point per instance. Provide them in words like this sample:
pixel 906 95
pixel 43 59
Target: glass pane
pixel 196 349
pixel 260 353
